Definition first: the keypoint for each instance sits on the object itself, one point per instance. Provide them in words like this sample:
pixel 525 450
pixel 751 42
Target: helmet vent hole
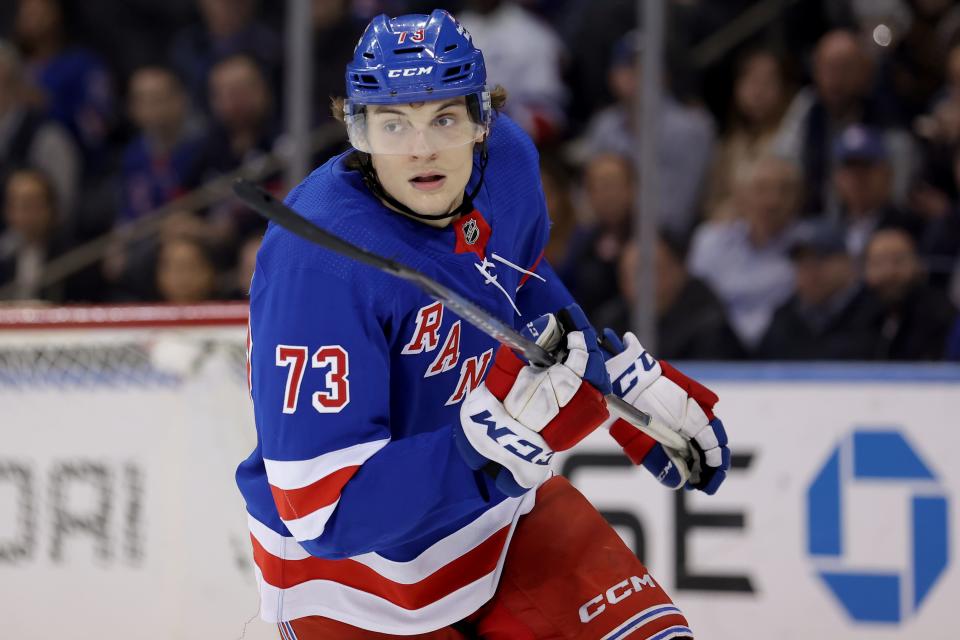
pixel 452 71
pixel 369 80
pixel 409 50
pixel 449 48
pixel 368 55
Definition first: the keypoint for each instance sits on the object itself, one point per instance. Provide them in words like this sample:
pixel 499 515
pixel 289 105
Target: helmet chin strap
pixel 373 183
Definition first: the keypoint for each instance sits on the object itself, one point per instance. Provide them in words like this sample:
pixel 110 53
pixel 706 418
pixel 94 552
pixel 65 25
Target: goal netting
pixel 122 428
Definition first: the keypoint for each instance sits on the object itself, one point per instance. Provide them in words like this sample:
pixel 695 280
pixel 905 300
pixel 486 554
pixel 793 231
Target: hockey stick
pixel 272 209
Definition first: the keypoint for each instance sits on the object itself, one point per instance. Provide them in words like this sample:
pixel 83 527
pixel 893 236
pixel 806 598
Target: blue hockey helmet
pixel 416 58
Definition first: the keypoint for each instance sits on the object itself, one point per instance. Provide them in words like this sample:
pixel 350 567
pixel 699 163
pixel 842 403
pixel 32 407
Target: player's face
pixel 431 174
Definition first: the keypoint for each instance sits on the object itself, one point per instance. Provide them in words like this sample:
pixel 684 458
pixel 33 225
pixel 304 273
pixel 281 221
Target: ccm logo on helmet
pixel 411 71
pixel 615 594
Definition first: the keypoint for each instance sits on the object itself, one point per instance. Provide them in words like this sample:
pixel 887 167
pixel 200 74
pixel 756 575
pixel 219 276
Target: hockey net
pixel 117 346
pixel 122 430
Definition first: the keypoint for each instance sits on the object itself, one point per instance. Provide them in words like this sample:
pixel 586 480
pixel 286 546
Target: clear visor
pixel 406 130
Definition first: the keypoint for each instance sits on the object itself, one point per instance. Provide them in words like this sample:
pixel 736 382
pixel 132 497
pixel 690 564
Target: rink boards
pixel 118 508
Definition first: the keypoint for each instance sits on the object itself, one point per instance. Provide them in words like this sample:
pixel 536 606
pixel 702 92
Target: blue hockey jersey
pixel 360 507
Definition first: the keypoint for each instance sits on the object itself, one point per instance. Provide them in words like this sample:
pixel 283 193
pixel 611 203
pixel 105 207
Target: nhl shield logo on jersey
pixel 471 232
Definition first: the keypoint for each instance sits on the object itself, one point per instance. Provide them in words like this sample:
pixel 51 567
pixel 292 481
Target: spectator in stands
pixel 228 28
pixel 74 84
pixel 246 263
pixel 760 98
pixel 556 180
pixel 525 55
pixel 917 317
pixel 684 147
pixel 939 134
pixel 590 271
pixel 185 272
pixel 335 34
pixel 244 127
pixel 156 162
pixel 832 316
pixel 691 321
pixel 840 96
pixel 29 139
pixel 34 236
pixel 862 176
pixel 940 242
pixel 916 63
pixel 745 260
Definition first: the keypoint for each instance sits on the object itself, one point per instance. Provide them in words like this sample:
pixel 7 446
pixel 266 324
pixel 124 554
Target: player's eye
pixel 393 126
pixel 445 121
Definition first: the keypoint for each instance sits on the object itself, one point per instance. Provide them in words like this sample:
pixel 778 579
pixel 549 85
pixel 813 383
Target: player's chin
pixel 429 204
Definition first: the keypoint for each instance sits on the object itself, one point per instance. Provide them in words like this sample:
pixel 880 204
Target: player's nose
pixel 421 146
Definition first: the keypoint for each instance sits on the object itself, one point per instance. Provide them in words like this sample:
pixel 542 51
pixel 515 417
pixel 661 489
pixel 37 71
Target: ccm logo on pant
pixel 615 594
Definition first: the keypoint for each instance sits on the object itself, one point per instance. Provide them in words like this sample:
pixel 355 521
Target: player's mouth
pixel 428 181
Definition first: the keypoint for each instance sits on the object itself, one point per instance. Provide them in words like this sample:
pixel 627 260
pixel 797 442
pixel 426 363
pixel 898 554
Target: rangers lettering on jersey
pixel 426 335
pixel 449 356
pixel 471 373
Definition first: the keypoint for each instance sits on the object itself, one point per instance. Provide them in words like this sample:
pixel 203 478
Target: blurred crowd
pixel 810 172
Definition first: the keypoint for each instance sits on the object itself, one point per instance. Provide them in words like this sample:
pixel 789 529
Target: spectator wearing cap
pixel 30 139
pixel 842 94
pixel 691 321
pixel 745 260
pixel 684 146
pixel 916 317
pixel 862 176
pixel 831 315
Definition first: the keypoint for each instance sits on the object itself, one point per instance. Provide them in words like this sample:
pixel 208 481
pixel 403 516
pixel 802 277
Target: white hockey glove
pixel 681 403
pixel 522 413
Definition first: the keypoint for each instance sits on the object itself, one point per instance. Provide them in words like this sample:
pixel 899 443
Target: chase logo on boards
pixel 873 456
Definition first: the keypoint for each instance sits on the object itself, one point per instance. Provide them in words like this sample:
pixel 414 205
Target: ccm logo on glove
pixel 510 441
pixel 631 376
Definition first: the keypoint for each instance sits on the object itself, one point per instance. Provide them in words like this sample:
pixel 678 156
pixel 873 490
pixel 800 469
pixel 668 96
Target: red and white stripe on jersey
pixel 307 491
pixel 447 582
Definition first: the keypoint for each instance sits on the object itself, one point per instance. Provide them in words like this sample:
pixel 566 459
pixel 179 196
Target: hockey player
pixel 400 485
